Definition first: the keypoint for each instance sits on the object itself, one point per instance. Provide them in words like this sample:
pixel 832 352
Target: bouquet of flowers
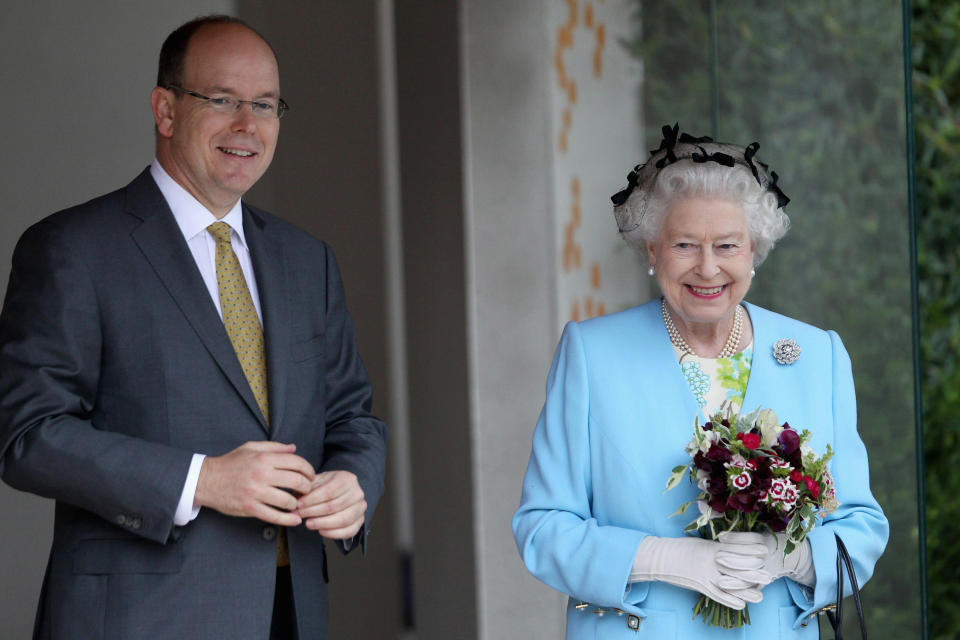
pixel 754 474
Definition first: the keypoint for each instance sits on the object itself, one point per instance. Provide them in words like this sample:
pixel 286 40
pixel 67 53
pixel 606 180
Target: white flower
pixel 790 495
pixel 738 462
pixel 704 508
pixel 710 438
pixel 701 441
pixel 778 463
pixel 769 427
pixel 742 481
pixel 828 479
pixel 777 488
pixel 703 479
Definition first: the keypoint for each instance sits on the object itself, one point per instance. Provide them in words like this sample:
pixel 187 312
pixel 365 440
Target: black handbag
pixel 836 617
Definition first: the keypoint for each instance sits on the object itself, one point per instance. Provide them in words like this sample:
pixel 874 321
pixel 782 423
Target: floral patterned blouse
pixel 714 381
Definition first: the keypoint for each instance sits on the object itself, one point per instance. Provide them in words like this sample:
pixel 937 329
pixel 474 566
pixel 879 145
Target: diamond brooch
pixel 786 350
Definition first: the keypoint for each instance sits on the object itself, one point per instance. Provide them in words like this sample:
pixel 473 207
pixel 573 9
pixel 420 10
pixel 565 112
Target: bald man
pixel 179 372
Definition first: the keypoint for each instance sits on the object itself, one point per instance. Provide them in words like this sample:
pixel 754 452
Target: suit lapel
pixel 270 267
pixel 162 244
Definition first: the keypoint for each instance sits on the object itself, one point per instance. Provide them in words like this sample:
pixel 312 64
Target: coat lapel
pixel 665 367
pixel 762 372
pixel 162 244
pixel 270 267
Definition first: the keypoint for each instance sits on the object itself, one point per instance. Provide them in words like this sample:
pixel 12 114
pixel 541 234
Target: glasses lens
pixel 264 108
pixel 223 103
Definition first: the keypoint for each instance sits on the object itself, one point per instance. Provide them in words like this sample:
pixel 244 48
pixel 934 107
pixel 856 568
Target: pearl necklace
pixel 729 347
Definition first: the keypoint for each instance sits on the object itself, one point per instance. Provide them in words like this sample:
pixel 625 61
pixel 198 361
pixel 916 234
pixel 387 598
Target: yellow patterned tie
pixel 240 316
pixel 246 335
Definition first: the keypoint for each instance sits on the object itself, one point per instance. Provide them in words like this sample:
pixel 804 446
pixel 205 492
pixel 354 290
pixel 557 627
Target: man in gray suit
pixel 179 372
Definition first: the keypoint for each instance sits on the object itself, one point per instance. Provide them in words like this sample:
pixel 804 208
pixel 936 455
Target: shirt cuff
pixel 186 512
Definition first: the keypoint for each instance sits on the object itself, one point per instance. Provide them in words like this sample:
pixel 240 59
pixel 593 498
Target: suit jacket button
pixel 269 533
pixel 122 520
pixel 136 523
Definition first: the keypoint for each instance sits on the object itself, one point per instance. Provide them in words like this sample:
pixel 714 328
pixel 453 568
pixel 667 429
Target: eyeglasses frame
pixel 282 106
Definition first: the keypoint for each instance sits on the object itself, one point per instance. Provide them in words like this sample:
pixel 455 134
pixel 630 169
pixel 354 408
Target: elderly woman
pixel 622 394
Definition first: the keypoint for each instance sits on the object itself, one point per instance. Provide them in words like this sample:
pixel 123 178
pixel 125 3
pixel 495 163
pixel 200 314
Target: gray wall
pixel 431 147
pixel 511 288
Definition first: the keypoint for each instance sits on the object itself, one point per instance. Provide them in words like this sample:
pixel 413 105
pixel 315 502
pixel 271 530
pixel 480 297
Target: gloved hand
pixel 740 552
pixel 691 563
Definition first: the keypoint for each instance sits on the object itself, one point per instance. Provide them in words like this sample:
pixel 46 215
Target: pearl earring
pixel 650 271
pixel 753 272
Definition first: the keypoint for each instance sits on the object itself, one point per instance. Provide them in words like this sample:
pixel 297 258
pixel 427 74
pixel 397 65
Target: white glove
pixel 740 548
pixel 691 563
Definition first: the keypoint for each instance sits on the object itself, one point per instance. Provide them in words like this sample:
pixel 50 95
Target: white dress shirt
pixel 193 219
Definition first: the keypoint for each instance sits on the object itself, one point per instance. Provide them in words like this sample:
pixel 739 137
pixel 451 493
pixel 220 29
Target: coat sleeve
pixel 355 439
pixel 859 520
pixel 51 444
pixel 560 541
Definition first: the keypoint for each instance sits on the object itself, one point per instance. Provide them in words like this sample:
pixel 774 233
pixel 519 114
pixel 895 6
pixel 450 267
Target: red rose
pixel 813 486
pixel 796 476
pixel 750 440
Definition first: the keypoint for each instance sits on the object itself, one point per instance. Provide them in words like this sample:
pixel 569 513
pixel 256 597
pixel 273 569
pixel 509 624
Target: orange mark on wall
pixel 592 305
pixel 589 305
pixel 592 308
pixel 572 252
pixel 565 128
pixel 567 84
pixel 598 51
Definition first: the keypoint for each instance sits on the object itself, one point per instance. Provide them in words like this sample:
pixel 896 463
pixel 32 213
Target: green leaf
pixel 675 477
pixel 681 510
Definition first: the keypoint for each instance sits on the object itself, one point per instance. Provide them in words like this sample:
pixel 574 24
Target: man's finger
pixel 330 485
pixel 329 528
pixel 290 462
pixel 276 516
pixel 292 480
pixel 332 507
pixel 342 519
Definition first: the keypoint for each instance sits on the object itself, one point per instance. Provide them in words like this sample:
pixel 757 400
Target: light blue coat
pixel 617 415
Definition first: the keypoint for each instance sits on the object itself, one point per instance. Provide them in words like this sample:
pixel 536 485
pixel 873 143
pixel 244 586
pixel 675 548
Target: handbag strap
pixel 836 619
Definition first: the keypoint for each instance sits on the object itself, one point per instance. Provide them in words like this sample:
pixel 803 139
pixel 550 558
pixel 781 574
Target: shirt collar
pixel 192 217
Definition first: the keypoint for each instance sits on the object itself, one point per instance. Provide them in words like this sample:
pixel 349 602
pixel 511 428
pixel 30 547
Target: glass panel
pixel 820 85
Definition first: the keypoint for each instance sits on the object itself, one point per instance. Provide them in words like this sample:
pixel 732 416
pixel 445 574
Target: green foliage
pixel 821 85
pixel 936 86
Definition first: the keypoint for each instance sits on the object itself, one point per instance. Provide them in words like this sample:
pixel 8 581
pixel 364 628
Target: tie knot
pixel 220 231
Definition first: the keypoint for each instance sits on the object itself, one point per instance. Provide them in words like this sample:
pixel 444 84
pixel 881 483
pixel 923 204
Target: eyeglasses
pixel 266 108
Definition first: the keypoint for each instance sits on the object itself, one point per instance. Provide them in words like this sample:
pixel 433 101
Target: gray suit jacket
pixel 115 368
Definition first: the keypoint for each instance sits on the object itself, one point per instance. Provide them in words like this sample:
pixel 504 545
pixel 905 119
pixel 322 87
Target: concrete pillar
pixel 487 210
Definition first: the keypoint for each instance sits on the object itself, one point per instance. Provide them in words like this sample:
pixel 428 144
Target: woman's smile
pixel 706 292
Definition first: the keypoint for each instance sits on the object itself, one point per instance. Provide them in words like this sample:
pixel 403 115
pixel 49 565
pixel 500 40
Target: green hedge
pixel 936 86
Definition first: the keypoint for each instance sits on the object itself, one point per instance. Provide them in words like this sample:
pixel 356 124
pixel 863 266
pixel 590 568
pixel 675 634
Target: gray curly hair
pixel 685 167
